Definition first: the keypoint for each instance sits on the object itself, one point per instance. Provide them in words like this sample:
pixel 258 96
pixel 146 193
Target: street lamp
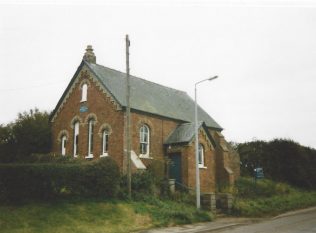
pixel 197 171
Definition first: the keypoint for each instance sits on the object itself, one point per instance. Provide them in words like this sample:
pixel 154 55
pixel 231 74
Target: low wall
pixel 224 201
pixel 208 201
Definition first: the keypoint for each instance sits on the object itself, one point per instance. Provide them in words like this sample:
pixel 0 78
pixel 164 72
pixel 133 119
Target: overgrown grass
pixel 267 198
pixel 166 212
pixel 96 216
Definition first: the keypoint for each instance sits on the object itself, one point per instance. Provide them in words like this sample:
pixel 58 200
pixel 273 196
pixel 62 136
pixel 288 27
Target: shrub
pixel 52 158
pixel 143 183
pixel 101 178
pixel 248 188
pixel 42 181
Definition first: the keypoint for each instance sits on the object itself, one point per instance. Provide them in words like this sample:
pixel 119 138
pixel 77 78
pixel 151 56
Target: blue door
pixel 175 168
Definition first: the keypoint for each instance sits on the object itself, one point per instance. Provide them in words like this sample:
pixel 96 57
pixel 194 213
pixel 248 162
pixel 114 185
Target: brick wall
pixel 207 174
pixel 159 127
pixel 105 112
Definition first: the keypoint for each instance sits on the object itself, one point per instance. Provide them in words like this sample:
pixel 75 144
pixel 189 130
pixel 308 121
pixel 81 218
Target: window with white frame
pixel 105 142
pixel 144 135
pixel 76 138
pixel 84 92
pixel 63 144
pixel 201 155
pixel 90 137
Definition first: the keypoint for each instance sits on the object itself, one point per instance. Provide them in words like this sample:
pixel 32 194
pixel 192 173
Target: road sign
pixel 259 173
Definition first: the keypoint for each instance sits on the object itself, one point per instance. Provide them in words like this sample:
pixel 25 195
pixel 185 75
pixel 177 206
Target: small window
pixel 63 144
pixel 105 142
pixel 84 92
pixel 144 135
pixel 90 137
pixel 201 155
pixel 76 138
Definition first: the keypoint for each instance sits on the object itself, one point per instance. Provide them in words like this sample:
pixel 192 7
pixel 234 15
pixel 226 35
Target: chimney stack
pixel 89 55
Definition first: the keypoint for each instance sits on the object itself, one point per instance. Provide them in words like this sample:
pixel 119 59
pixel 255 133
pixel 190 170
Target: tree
pixel 29 133
pixel 282 160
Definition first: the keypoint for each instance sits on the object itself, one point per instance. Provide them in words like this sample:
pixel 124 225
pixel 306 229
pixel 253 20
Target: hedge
pixel 42 181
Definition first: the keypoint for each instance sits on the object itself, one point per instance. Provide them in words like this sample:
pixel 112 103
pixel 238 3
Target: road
pixel 304 222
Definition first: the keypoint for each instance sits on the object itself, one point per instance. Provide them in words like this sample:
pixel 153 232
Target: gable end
pixel 82 71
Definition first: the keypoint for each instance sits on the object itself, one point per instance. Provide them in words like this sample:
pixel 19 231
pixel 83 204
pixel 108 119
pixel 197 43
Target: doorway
pixel 175 169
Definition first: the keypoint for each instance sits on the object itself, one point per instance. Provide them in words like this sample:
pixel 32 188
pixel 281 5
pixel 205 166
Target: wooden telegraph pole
pixel 128 122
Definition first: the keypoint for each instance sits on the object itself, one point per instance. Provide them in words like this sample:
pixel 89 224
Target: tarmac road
pixel 297 222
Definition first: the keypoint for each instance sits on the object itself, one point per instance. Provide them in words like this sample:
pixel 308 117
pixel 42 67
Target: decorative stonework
pixel 84 81
pixel 74 119
pixel 105 126
pixel 91 116
pixel 61 134
pixel 206 138
pixel 147 122
pixel 86 75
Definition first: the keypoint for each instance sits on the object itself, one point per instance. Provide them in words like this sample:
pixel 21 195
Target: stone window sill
pixel 89 157
pixel 104 155
pixel 145 157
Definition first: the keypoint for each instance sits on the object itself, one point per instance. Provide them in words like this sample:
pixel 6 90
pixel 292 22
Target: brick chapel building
pixel 89 122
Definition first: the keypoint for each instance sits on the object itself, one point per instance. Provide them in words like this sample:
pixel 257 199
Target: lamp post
pixel 197 171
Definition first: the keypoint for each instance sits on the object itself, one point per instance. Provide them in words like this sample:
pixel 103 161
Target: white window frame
pixel 63 145
pixel 143 132
pixel 105 143
pixel 84 92
pixel 76 138
pixel 90 138
pixel 201 156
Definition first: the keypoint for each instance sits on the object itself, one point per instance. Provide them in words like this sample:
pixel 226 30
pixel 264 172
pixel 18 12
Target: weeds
pixel 267 198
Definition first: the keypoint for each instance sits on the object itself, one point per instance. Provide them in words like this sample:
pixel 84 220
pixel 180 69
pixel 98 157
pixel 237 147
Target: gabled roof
pixel 151 97
pixel 146 96
pixel 185 133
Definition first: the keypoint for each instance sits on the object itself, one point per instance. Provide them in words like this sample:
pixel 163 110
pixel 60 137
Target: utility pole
pixel 128 122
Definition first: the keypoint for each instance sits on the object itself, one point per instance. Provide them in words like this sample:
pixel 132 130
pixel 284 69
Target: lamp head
pixel 211 78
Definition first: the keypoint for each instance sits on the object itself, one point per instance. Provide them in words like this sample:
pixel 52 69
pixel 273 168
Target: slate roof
pixel 182 134
pixel 150 97
pixel 146 96
pixel 185 133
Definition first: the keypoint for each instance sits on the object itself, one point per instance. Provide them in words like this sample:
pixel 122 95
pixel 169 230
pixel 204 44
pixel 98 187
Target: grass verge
pixel 268 198
pixel 96 216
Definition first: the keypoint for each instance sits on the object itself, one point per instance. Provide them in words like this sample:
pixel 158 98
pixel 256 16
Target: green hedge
pixel 42 181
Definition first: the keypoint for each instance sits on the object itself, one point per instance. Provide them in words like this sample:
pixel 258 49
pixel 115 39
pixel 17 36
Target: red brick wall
pixel 207 174
pixel 159 127
pixel 105 111
pixel 226 158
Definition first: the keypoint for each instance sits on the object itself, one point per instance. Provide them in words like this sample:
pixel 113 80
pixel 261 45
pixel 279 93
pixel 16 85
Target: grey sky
pixel 264 55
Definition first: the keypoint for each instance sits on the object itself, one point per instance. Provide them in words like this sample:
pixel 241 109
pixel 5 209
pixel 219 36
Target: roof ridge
pixel 145 80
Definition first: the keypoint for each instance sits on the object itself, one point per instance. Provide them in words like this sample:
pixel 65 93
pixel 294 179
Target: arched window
pixel 105 143
pixel 201 155
pixel 63 144
pixel 144 136
pixel 90 138
pixel 84 92
pixel 76 138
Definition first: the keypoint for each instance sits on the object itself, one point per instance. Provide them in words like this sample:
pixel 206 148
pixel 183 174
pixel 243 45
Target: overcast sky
pixel 264 53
